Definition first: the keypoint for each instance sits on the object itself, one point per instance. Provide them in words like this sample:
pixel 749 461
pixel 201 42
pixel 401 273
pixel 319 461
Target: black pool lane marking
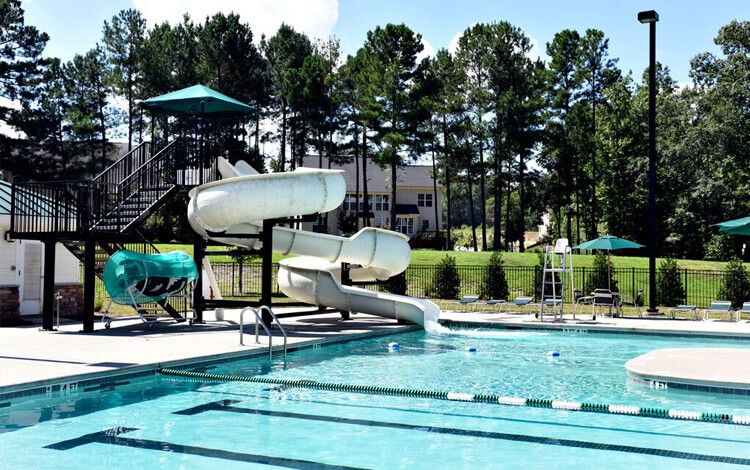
pixel 226 405
pixel 112 436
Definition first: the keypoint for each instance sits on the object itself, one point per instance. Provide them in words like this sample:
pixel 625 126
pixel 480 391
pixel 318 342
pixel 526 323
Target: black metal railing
pixel 118 198
pixel 701 286
pixel 126 164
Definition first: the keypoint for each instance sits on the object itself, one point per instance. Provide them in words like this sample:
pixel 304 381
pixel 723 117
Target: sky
pixel 686 27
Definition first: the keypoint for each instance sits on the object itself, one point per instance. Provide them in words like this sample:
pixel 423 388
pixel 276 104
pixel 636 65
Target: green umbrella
pixel 609 243
pixel 197 100
pixel 737 226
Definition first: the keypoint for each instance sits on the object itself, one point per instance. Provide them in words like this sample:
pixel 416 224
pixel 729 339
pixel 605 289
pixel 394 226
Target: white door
pixel 31 271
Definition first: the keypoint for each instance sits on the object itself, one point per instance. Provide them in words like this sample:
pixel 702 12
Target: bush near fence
pixel 701 286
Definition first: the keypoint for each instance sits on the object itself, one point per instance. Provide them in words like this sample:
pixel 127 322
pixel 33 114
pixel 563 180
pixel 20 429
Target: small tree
pixel 669 289
pixel 397 284
pixel 494 283
pixel 446 284
pixel 347 221
pixel 601 274
pixel 736 284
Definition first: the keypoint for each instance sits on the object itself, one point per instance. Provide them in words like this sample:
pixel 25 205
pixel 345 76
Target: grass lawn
pixel 468 258
pixel 531 259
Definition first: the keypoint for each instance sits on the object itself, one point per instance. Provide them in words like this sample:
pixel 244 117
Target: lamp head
pixel 649 16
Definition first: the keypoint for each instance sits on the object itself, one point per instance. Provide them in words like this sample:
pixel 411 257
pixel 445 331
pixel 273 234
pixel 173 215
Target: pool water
pixel 172 422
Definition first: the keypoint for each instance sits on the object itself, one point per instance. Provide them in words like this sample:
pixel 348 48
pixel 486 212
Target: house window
pixel 382 222
pixel 369 202
pixel 425 225
pixel 424 200
pixel 382 202
pixel 405 225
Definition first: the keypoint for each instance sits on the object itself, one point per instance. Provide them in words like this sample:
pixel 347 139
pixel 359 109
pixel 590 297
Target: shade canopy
pixel 608 242
pixel 737 226
pixel 197 100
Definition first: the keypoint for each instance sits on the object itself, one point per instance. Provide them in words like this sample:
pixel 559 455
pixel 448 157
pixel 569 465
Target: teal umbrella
pixel 737 226
pixel 197 100
pixel 609 243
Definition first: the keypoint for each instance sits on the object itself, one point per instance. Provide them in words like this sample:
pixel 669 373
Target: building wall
pixel 25 276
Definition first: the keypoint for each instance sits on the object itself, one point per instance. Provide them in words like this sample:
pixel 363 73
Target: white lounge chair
pixel 719 306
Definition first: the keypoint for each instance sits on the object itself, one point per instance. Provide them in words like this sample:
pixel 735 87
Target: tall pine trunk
pixel 366 220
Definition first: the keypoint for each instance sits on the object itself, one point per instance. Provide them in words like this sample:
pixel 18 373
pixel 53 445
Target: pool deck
pixel 32 359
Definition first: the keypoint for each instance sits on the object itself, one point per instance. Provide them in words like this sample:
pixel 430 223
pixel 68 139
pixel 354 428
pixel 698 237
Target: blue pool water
pixel 168 422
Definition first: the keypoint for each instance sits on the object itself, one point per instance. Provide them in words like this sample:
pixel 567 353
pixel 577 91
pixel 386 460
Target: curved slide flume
pixel 237 204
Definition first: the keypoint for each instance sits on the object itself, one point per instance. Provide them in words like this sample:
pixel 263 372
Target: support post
pixel 48 294
pixel 266 281
pixel 89 285
pixel 652 169
pixel 199 247
pixel 345 281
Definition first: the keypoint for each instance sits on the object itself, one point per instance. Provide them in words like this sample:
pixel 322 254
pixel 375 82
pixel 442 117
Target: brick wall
pixel 9 303
pixel 71 303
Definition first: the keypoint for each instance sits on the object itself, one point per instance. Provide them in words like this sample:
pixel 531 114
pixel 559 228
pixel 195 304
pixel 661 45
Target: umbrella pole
pixel 609 274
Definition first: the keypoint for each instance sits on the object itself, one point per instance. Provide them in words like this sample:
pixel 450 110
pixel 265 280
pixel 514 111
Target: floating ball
pixel 470 349
pixel 553 353
pixel 392 345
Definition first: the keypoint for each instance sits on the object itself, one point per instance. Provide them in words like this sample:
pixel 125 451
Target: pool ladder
pixel 259 319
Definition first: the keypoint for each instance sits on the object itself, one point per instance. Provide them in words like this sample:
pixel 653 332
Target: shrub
pixel 396 284
pixel 494 283
pixel 601 274
pixel 446 284
pixel 669 289
pixel 736 284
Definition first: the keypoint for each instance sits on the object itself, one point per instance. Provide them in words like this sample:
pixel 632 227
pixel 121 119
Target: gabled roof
pixel 379 179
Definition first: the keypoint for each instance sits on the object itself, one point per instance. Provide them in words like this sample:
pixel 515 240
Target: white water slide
pixel 238 203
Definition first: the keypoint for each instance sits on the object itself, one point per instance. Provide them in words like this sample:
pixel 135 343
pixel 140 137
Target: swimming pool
pixel 172 422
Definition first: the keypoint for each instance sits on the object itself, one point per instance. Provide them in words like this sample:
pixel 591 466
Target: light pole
pixel 651 17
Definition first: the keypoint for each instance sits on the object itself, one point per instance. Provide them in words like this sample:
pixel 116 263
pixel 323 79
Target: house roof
pixel 379 179
pixel 407 209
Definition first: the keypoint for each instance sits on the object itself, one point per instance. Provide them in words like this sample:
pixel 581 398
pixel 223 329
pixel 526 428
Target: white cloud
pixel 315 18
pixel 453 45
pixel 428 51
pixel 535 52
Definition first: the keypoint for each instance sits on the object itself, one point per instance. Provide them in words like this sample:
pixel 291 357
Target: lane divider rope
pixel 721 418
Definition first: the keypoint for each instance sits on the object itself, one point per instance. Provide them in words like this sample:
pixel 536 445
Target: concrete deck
pixel 30 358
pixel 694 367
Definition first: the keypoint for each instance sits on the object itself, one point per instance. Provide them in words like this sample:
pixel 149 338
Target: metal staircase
pixel 114 202
pixel 558 267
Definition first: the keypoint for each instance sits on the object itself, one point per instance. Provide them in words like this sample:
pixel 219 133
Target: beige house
pixel 415 198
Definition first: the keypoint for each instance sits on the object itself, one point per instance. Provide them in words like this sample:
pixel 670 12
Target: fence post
pixel 686 286
pixel 583 275
pixel 632 284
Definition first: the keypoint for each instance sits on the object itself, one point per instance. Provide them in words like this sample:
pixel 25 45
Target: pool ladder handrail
pixel 259 319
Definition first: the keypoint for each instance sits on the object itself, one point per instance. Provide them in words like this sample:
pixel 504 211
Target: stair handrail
pixel 259 319
pixel 276 319
pixel 141 154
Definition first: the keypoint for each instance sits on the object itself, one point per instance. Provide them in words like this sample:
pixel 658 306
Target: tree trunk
pixel 356 169
pixel 434 188
pixel 471 209
pixel 497 212
pixel 366 221
pixel 483 196
pixel 507 206
pixel 521 204
pixel 283 135
pixel 447 169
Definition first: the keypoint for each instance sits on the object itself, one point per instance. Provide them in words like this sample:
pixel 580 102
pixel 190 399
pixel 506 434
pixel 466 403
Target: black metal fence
pixel 701 287
pixel 237 280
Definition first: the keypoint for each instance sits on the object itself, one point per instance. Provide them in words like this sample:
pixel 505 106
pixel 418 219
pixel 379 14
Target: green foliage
pixel 446 284
pixel 736 284
pixel 494 283
pixel 347 221
pixel 397 284
pixel 601 274
pixel 669 288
